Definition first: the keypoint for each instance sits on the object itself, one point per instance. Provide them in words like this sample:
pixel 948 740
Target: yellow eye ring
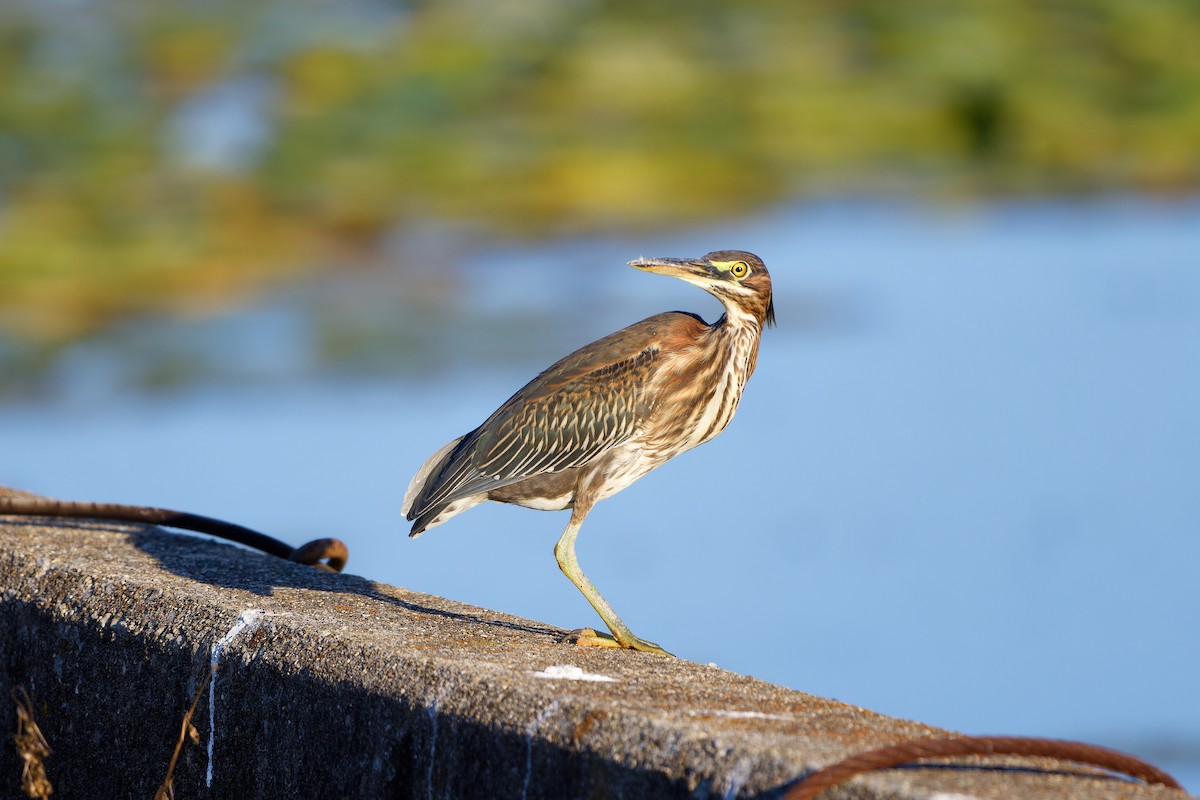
pixel 739 269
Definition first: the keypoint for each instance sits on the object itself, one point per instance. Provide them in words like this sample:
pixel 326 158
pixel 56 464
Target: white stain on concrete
pixel 569 672
pixel 247 620
pixel 435 701
pixel 728 714
pixel 741 772
pixel 432 712
pixel 531 730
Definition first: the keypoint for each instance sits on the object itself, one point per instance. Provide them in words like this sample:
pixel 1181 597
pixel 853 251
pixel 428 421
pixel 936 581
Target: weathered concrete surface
pixel 348 688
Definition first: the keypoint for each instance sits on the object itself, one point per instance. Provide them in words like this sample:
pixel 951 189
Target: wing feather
pixel 538 432
pixel 576 410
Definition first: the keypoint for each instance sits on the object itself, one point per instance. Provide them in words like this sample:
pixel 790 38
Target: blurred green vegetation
pixel 169 156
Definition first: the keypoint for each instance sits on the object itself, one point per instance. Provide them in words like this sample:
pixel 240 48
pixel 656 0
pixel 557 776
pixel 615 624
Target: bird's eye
pixel 739 269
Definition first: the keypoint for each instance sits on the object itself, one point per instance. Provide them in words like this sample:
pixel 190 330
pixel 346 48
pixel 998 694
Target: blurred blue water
pixel 964 486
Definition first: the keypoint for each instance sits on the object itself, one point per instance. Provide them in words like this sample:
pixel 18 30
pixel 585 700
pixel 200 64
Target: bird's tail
pixel 416 497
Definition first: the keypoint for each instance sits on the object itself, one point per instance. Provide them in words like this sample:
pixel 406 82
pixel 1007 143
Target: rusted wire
pixel 330 554
pixel 811 786
pixel 327 554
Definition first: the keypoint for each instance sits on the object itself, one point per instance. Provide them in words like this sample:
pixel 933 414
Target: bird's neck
pixel 718 369
pixel 739 333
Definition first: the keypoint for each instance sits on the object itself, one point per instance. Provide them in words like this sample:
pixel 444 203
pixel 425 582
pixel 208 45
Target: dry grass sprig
pixel 186 731
pixel 32 747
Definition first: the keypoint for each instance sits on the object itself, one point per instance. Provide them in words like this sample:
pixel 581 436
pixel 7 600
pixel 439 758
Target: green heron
pixel 606 415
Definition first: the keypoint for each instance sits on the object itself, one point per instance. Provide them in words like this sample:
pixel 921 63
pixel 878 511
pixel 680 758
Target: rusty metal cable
pixel 906 753
pixel 327 554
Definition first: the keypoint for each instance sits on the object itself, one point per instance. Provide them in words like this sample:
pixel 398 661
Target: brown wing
pixel 579 408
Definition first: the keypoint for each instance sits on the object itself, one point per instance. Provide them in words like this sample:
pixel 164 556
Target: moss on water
pixel 173 156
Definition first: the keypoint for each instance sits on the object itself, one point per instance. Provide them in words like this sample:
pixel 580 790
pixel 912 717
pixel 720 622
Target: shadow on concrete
pixel 261 574
pixel 191 556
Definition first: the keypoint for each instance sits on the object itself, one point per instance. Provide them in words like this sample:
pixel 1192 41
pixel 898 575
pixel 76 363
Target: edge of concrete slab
pixel 338 686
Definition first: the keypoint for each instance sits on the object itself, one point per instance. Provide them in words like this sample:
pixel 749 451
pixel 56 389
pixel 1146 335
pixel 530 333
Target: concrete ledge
pixel 348 688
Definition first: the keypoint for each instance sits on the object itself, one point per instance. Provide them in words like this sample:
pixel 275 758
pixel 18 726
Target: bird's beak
pixel 687 268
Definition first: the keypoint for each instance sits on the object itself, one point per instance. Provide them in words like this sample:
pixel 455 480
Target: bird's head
pixel 738 279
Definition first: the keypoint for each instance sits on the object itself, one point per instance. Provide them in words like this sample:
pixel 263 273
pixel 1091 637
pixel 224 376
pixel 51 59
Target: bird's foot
pixel 588 637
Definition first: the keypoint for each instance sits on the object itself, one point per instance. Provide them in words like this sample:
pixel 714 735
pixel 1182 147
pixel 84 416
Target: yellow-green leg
pixel 564 553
